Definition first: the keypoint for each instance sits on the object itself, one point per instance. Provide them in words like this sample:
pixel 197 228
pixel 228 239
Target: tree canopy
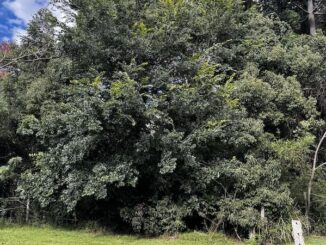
pixel 164 116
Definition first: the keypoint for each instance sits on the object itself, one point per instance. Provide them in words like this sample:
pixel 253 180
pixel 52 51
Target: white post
pixel 297 232
pixel 27 209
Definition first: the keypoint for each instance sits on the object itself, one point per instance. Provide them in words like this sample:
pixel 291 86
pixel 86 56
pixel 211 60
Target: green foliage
pixel 164 217
pixel 162 116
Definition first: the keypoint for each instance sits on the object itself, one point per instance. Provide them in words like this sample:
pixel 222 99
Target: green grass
pixel 28 235
pixel 40 236
pixel 313 240
pixel 316 241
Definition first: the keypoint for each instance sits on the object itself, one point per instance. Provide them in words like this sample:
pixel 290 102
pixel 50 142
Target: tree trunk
pixel 311 18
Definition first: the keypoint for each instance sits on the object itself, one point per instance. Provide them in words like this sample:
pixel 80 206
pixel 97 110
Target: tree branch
pixel 314 168
pixel 36 54
pixel 304 10
pixel 318 5
pixel 321 165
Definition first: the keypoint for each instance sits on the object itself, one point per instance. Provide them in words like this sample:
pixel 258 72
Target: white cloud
pixel 17 22
pixel 63 13
pixel 24 9
pixel 5 39
pixel 17 34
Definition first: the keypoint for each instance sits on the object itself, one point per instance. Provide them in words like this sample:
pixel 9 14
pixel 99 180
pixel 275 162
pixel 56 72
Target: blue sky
pixel 14 16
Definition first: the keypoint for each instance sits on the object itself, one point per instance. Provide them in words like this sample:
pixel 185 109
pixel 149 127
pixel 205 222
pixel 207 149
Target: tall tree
pixel 161 116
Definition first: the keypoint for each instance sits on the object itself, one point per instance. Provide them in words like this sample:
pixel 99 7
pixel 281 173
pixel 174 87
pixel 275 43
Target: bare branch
pixel 8 209
pixel 35 54
pixel 313 172
pixel 303 20
pixel 321 165
pixel 317 5
pixel 304 10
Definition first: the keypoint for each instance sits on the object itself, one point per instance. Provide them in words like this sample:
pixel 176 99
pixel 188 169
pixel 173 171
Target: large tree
pixel 161 116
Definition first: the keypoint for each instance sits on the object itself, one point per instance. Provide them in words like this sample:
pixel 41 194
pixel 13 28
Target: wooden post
pixel 297 232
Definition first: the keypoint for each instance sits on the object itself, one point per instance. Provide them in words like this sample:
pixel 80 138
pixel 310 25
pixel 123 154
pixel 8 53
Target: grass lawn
pixel 316 241
pixel 44 236
pixel 14 235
